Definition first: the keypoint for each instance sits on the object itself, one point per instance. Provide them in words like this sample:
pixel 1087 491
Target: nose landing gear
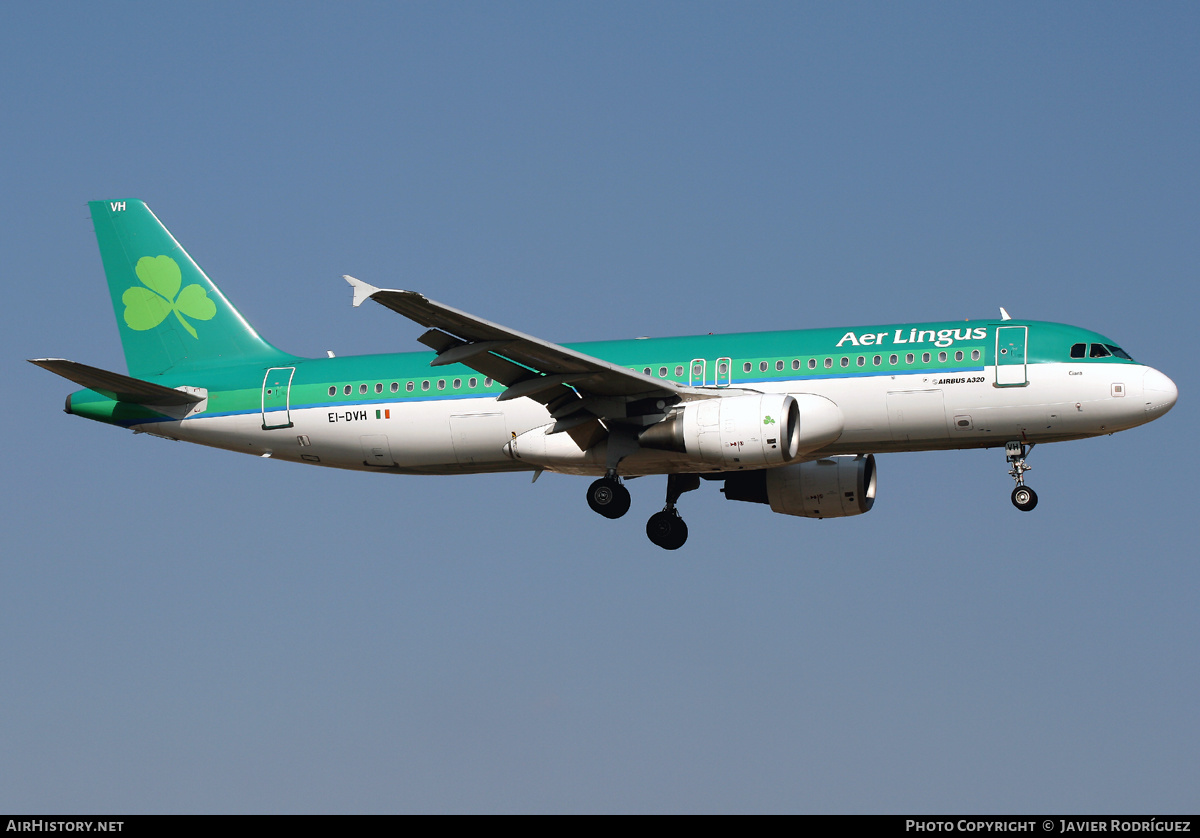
pixel 1023 497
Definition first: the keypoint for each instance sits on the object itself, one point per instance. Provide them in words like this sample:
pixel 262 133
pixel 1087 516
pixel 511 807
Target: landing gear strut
pixel 666 528
pixel 608 497
pixel 1023 497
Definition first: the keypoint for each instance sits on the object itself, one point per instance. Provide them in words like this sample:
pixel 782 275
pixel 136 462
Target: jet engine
pixel 747 431
pixel 833 487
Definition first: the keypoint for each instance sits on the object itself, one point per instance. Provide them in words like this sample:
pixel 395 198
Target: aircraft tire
pixel 667 530
pixel 608 497
pixel 1024 498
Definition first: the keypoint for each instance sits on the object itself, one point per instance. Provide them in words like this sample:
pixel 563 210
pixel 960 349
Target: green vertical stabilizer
pixel 170 315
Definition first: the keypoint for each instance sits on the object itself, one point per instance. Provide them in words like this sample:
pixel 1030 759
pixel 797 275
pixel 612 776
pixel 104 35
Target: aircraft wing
pixel 568 382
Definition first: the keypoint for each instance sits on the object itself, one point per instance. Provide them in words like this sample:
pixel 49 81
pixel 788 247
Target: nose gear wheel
pixel 1023 497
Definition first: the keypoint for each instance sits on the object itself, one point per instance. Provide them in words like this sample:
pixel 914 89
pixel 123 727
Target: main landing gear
pixel 666 529
pixel 608 497
pixel 1023 497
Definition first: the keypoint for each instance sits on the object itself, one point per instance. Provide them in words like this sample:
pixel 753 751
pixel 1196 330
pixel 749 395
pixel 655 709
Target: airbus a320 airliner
pixel 792 419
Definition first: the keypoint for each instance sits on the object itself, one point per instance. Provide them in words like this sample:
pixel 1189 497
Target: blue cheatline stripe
pixel 403 400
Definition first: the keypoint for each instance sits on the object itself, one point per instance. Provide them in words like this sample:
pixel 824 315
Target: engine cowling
pixel 832 487
pixel 764 429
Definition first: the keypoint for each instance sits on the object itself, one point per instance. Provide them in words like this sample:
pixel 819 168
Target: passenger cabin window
pixel 409 386
pixel 425 385
pixel 845 362
pixel 779 366
pixel 474 382
pixel 1079 350
pixel 796 364
pixel 662 372
pixel 378 388
pixel 828 363
pixel 974 354
pixel 746 367
pixel 861 360
pixel 812 363
pixel 679 370
pixel 958 356
pixel 895 359
pixel 362 388
pixel 877 360
pixel 762 366
pixel 346 389
pixel 1099 350
pixel 395 386
pixel 333 391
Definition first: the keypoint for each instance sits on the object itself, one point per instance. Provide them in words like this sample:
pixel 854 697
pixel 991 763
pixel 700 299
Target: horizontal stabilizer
pixel 122 388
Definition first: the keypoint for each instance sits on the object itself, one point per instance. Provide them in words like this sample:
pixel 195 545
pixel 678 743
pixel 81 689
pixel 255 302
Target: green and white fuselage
pixel 330 410
pixel 490 399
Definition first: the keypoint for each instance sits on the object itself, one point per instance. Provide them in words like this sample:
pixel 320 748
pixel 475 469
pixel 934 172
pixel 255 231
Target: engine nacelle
pixel 766 429
pixel 834 487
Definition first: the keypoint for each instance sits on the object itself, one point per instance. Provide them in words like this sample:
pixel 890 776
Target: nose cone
pixel 1160 393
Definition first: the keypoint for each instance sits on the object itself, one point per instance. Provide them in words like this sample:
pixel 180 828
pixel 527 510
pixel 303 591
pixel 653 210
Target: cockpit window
pixel 1079 350
pixel 1099 350
pixel 1119 352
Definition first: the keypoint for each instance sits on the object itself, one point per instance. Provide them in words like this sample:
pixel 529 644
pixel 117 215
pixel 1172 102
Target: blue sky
pixel 186 630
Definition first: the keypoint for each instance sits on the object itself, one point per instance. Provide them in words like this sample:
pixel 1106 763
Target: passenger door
pixel 276 398
pixel 1011 342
